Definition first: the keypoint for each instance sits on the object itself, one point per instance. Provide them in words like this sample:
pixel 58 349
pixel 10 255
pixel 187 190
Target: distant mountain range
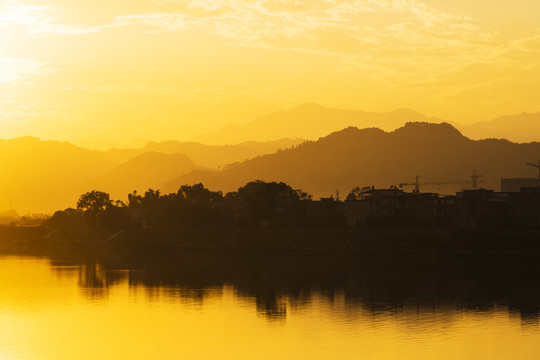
pixel 211 156
pixel 523 127
pixel 311 121
pixel 43 176
pixel 354 157
pixel 143 172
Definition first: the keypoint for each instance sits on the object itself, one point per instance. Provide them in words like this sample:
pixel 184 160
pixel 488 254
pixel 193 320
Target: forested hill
pixel 361 157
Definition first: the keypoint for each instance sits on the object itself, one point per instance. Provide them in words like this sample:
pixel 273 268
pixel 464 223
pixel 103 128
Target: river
pixel 266 307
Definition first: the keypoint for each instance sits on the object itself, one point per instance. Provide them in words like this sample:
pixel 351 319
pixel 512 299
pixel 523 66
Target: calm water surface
pixel 216 308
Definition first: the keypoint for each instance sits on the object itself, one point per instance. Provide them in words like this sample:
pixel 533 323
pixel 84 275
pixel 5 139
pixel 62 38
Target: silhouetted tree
pixel 269 201
pixel 201 206
pixel 93 203
pixel 199 194
pixel 191 206
pixel 194 206
pixel 358 193
pixel 69 219
pixel 114 216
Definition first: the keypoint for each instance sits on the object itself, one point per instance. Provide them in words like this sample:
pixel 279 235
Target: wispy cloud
pixel 396 45
pixel 17 70
pixel 258 19
pixel 38 21
pixel 407 31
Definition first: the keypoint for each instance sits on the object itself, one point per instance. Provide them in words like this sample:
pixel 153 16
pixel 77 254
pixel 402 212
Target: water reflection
pixel 415 293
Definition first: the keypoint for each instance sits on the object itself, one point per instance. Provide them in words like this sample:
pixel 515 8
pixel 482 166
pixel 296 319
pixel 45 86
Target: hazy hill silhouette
pixel 311 121
pixel 144 171
pixel 523 127
pixel 353 157
pixel 211 156
pixel 43 175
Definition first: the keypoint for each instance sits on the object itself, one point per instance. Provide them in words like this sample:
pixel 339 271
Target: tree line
pixel 255 204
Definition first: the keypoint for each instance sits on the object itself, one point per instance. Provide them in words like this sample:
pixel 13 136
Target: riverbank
pixel 421 242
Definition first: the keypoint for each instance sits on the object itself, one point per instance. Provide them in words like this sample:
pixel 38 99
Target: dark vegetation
pixel 262 217
pixel 256 204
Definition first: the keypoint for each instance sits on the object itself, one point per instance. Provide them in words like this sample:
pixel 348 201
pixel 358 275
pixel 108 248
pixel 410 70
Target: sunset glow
pixel 172 69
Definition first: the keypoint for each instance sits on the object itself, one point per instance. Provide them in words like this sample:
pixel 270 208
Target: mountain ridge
pixel 142 172
pixel 42 176
pixel 311 121
pixel 364 157
pixel 45 175
pixel 525 127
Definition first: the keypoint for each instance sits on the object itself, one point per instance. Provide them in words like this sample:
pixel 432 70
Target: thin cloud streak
pixel 293 25
pixel 38 21
pixel 17 70
pixel 366 53
pixel 422 34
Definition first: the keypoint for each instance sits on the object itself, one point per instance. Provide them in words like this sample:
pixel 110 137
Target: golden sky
pixel 173 69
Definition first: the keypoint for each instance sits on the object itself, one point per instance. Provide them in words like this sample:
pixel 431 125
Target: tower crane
pixel 536 166
pixel 417 183
pixel 474 178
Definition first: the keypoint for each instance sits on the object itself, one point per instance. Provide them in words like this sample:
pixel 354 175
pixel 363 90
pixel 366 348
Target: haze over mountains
pixel 214 156
pixel 311 121
pixel 143 172
pixel 364 157
pixel 40 175
pixel 43 176
pixel 524 127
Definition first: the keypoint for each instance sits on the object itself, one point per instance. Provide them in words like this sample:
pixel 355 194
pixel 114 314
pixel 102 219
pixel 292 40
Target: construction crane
pixel 536 166
pixel 417 183
pixel 474 178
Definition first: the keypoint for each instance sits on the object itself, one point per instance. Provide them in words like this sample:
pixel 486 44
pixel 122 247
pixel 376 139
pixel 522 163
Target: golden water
pixel 55 311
